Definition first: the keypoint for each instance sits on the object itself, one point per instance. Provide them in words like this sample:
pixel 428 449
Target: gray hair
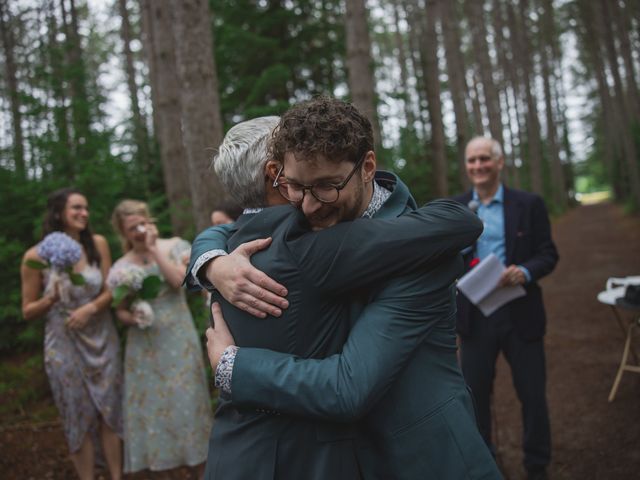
pixel 241 159
pixel 496 148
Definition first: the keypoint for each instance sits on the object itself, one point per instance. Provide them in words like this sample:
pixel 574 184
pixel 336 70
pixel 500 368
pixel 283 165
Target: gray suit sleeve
pixel 364 252
pixel 213 238
pixel 345 386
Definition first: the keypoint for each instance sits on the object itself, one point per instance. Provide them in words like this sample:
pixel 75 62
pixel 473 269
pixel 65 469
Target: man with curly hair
pixel 394 381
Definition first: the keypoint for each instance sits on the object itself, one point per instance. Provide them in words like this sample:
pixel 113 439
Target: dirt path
pixel 592 439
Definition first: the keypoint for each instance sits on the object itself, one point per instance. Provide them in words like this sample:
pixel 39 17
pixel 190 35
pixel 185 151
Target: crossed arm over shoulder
pixel 345 386
pixel 443 225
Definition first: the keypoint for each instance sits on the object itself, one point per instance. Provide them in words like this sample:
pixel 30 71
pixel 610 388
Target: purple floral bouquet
pixel 127 280
pixel 59 252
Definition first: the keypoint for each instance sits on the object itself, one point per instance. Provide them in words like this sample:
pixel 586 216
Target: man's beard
pixel 346 212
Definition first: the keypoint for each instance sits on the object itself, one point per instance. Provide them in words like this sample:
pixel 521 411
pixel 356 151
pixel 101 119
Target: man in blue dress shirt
pixel 518 232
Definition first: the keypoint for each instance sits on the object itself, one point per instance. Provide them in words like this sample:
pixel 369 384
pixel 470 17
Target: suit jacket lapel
pixel 511 215
pixel 400 199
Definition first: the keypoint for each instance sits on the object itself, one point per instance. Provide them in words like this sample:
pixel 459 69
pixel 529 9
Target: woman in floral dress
pixel 81 347
pixel 167 413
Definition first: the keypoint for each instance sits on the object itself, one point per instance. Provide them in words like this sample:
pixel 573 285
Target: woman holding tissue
pixel 167 415
pixel 63 281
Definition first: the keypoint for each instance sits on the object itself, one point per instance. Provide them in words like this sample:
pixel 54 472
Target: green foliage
pixel 411 164
pixel 35 264
pixel 150 287
pixel 11 251
pixel 24 390
pixel 119 294
pixel 66 144
pixel 271 54
pixel 76 278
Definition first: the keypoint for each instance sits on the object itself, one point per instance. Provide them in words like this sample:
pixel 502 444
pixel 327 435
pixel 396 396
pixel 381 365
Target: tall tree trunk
pixel 611 142
pixel 429 54
pixel 139 128
pixel 360 64
pixel 457 84
pixel 412 13
pixel 402 63
pixel 522 46
pixel 557 177
pixel 504 85
pixel 517 117
pixel 62 160
pixel 514 173
pixel 474 97
pixel 8 43
pixel 512 87
pixel 625 116
pixel 80 108
pixel 201 119
pixel 559 93
pixel 329 70
pixel 167 110
pixel 475 17
pixel 621 18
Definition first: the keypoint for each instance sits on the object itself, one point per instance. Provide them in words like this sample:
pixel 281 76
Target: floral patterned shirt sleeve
pixel 200 262
pixel 224 371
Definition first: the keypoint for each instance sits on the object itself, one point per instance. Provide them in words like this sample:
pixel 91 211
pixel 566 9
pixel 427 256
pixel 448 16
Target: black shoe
pixel 538 474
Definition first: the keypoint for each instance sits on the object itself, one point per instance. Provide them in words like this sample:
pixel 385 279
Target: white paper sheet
pixel 480 286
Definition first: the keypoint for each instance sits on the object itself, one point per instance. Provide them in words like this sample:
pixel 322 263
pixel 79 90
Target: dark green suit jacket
pixel 321 272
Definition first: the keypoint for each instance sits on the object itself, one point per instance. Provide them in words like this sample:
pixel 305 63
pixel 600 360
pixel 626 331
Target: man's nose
pixel 310 204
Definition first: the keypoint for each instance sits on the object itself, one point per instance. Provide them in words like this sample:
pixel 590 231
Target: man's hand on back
pixel 243 285
pixel 218 338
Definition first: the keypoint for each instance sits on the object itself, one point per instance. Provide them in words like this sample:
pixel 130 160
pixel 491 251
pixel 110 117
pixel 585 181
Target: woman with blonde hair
pixel 63 281
pixel 167 413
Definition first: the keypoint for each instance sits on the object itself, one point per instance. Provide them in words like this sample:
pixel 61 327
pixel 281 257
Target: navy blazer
pixel 528 243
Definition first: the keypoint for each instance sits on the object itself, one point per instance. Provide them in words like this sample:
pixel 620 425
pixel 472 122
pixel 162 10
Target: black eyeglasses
pixel 323 192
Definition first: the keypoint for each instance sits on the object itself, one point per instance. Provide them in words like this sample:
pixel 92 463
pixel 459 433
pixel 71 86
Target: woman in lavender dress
pixel 81 347
pixel 167 413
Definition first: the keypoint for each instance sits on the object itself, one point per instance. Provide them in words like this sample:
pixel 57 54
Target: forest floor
pixel 592 438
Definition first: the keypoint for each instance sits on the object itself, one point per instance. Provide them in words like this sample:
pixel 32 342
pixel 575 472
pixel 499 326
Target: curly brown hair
pixel 322 126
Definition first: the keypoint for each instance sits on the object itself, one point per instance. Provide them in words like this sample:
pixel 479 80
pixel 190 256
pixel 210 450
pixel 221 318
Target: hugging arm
pixel 207 245
pixel 363 252
pixel 401 316
pixel 339 258
pixel 241 284
pixel 345 386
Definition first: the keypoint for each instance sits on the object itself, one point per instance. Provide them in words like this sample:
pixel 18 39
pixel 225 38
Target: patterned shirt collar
pixel 380 195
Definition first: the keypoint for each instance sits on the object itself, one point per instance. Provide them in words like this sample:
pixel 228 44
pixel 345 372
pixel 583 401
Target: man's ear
pixel 369 167
pixel 271 169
